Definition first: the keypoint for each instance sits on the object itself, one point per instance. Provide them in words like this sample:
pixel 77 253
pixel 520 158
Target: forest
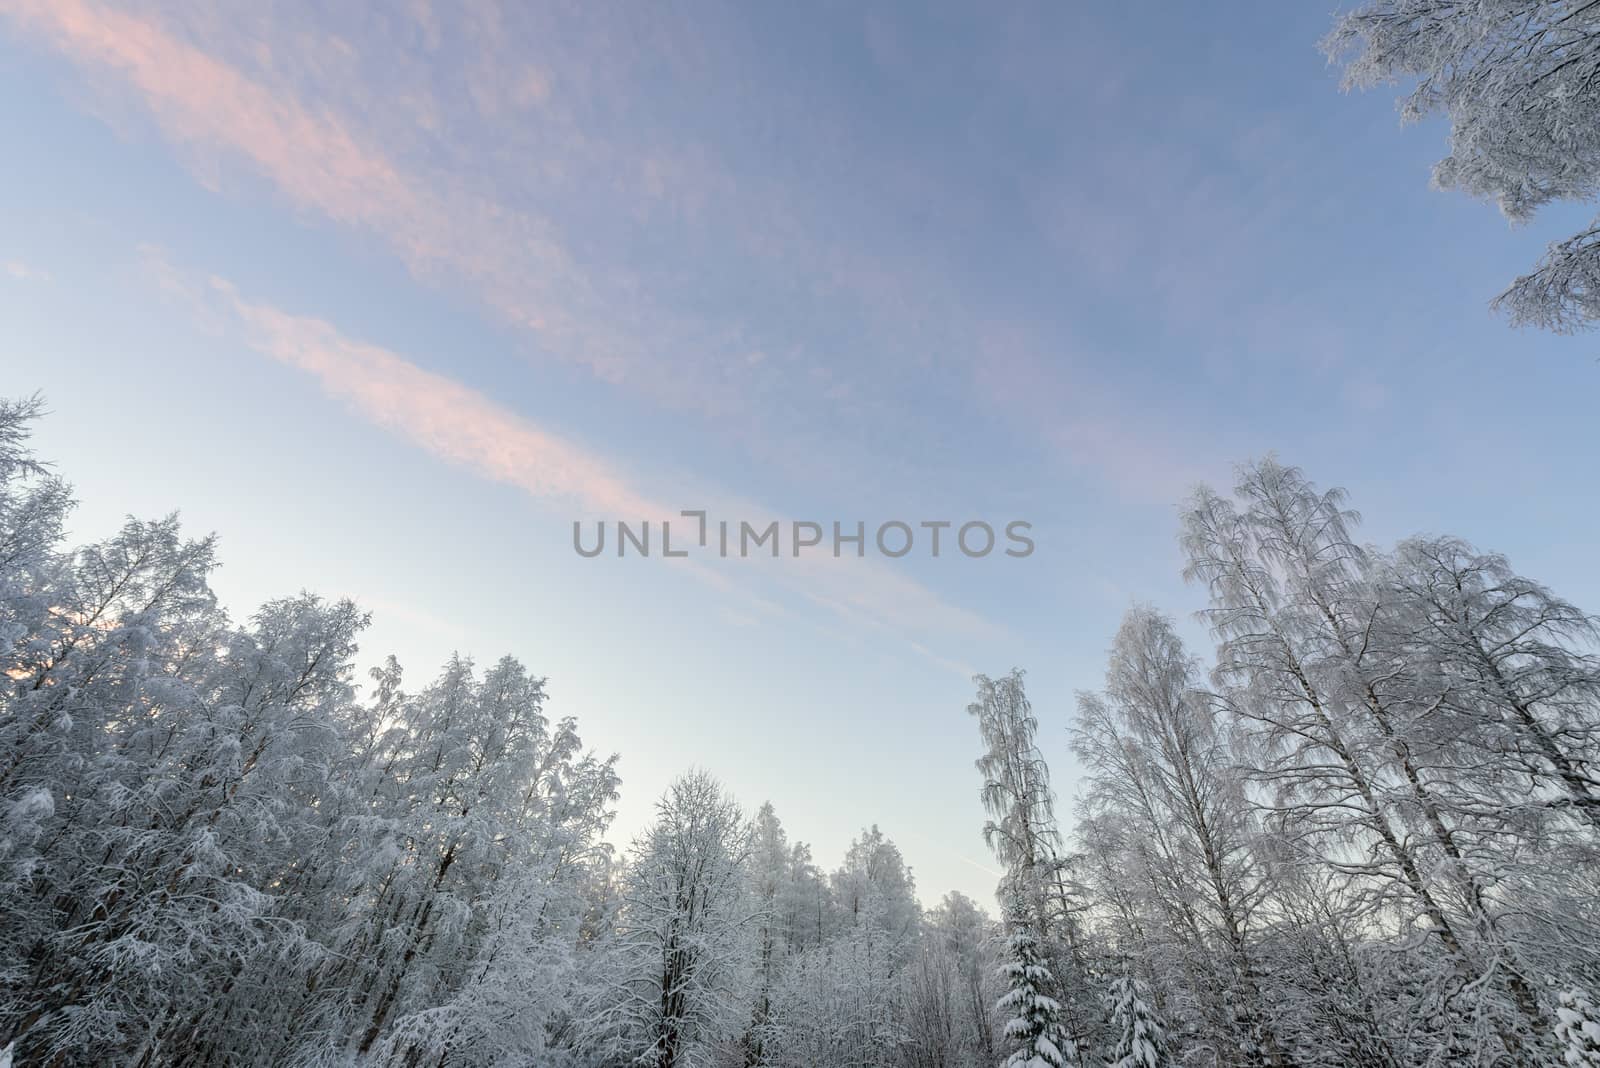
pixel 1360 830
pixel 1369 835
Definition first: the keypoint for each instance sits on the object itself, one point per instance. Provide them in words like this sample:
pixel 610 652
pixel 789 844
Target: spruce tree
pixel 1141 1038
pixel 1034 1026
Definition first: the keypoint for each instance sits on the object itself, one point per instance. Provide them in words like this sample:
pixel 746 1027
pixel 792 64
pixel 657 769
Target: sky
pixel 389 296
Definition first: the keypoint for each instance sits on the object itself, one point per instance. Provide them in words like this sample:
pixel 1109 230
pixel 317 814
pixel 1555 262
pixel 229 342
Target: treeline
pixel 1369 837
pixel 214 851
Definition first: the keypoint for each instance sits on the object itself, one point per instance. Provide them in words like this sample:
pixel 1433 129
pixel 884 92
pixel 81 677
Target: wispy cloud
pixel 458 424
pixel 323 163
pixel 437 414
pixel 25 272
pixel 455 206
pixel 520 156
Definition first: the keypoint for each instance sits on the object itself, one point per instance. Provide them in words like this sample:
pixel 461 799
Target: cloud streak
pixel 492 155
pixel 25 272
pixel 322 164
pixel 458 424
pixel 438 414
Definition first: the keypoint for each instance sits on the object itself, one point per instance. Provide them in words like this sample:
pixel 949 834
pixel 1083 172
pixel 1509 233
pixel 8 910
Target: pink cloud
pixel 197 99
pixel 25 272
pixel 461 425
pixel 384 155
pixel 508 258
pixel 437 414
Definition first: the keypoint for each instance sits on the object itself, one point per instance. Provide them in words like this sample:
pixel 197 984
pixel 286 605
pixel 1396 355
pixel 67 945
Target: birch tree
pixel 1520 86
pixel 1026 839
pixel 1159 758
pixel 1340 722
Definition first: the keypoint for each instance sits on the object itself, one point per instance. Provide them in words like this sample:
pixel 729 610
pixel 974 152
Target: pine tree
pixel 1141 1038
pixel 1034 1026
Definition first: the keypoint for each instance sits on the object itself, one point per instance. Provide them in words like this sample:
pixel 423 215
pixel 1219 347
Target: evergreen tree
pixel 1034 1024
pixel 1141 1038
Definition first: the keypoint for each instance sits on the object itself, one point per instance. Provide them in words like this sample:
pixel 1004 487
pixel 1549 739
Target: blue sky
pixel 387 302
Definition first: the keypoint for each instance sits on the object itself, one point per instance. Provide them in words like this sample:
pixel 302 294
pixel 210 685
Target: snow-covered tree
pixel 214 852
pixel 1339 723
pixel 770 866
pixel 498 811
pixel 1021 828
pixel 874 888
pixel 1578 1029
pixel 1026 839
pixel 839 1003
pixel 1141 1038
pixel 1033 1018
pixel 33 507
pixel 1511 666
pixel 1518 83
pixel 1360 847
pixel 970 942
pixel 1195 880
pixel 684 949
